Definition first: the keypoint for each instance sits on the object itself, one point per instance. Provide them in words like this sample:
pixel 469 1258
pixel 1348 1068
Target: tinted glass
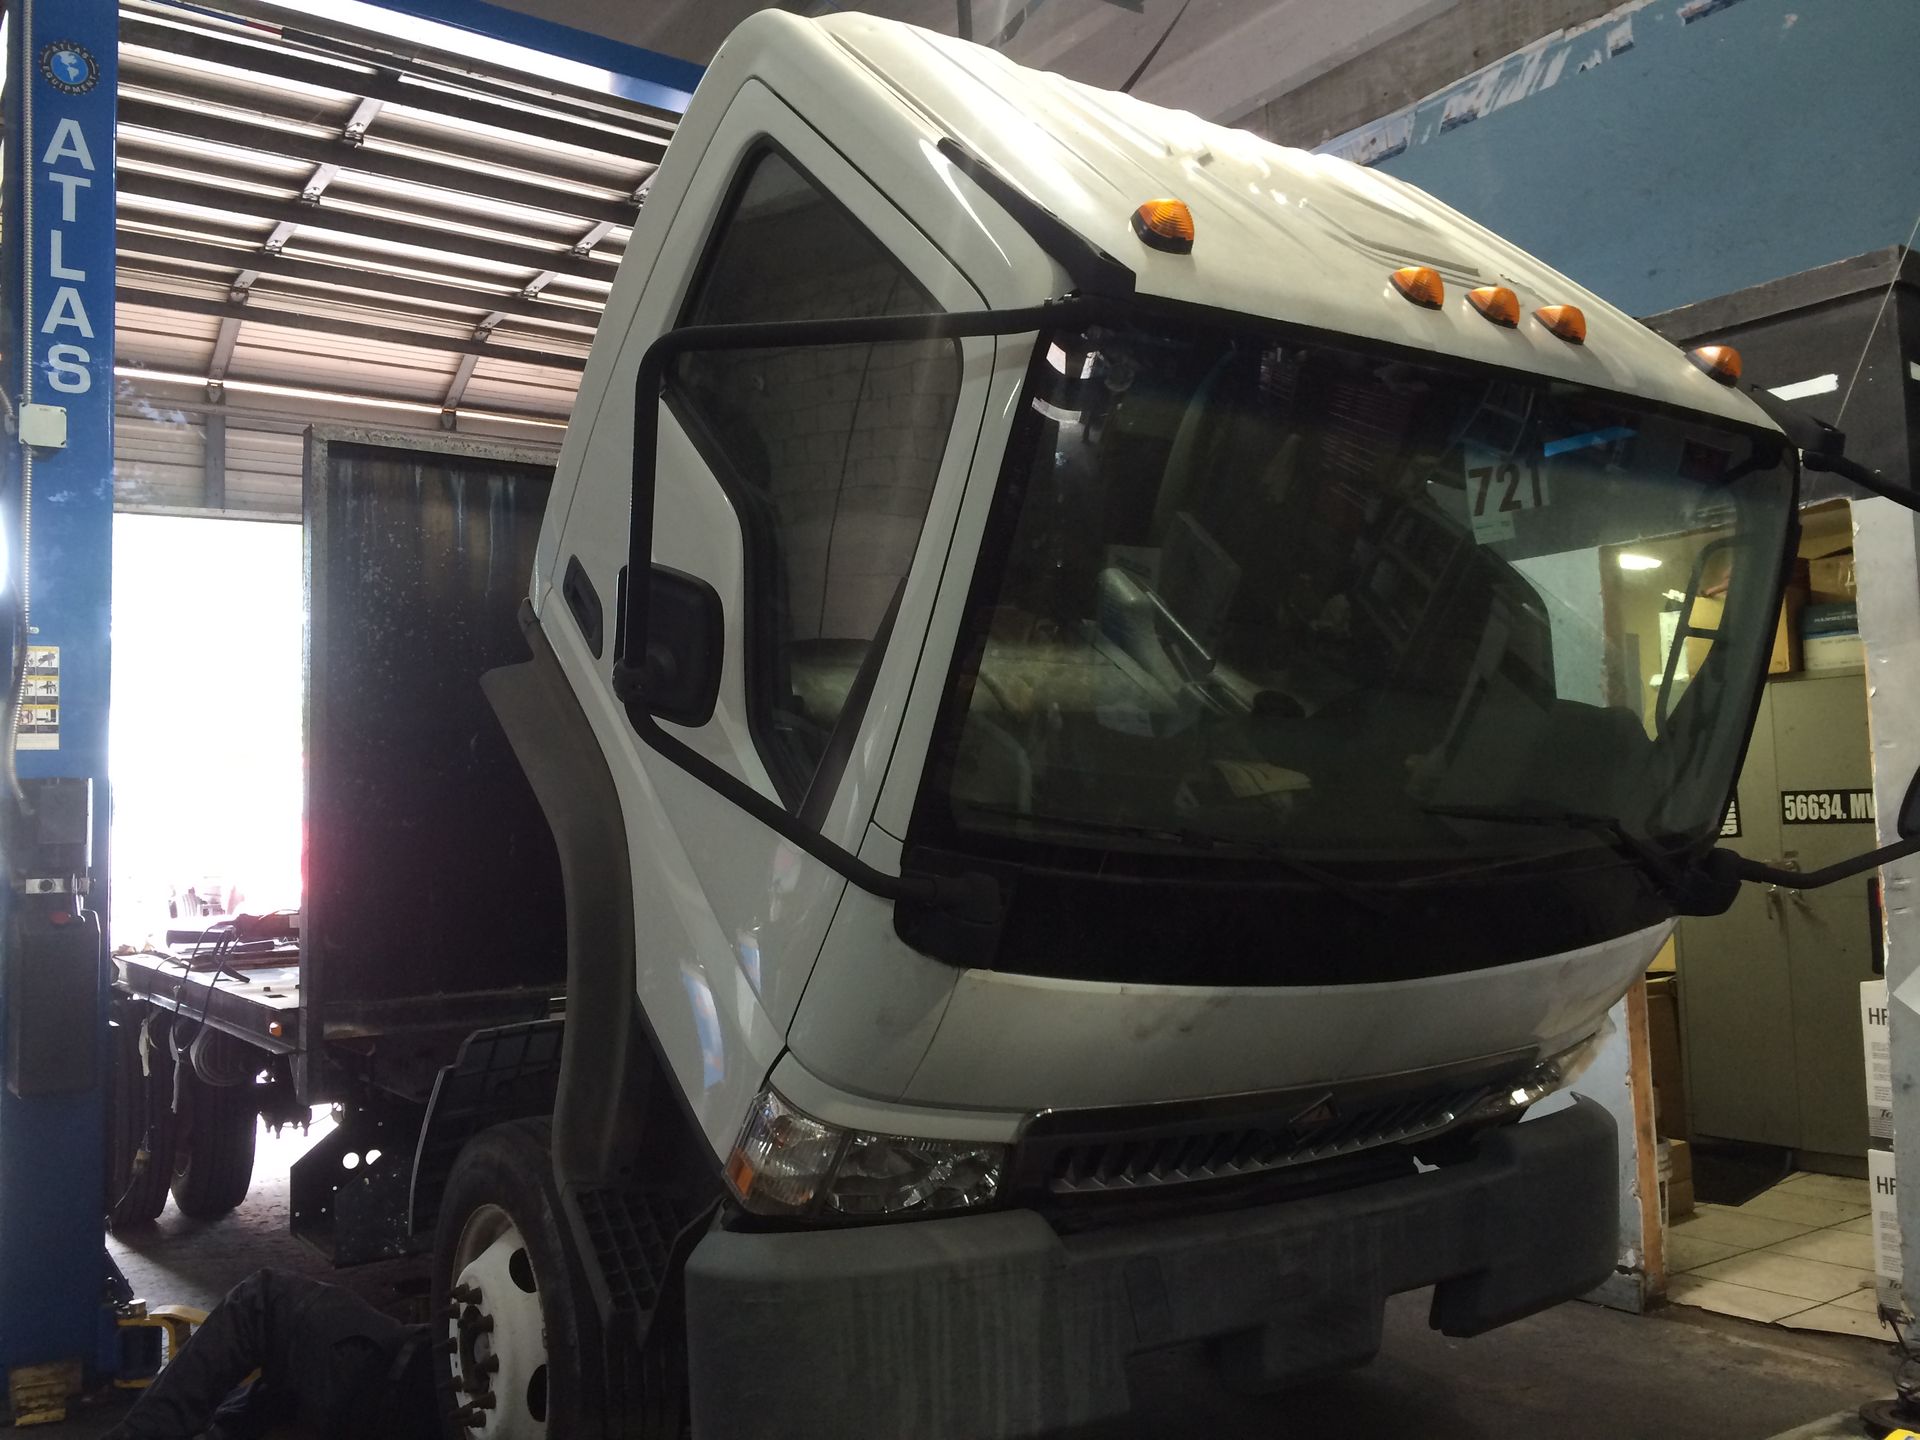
pixel 1244 594
pixel 829 453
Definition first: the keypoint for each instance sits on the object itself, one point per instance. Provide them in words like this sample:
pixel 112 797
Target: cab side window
pixel 828 453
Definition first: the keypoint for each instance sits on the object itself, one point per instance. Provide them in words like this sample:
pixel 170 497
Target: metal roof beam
pixel 213 467
pixel 361 121
pixel 223 344
pixel 585 244
pixel 456 388
pixel 253 313
pixel 420 232
pixel 342 276
pixel 377 161
pixel 534 119
pixel 317 183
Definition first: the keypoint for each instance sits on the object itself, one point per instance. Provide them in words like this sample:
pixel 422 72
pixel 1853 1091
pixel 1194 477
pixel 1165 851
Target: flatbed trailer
pixel 432 889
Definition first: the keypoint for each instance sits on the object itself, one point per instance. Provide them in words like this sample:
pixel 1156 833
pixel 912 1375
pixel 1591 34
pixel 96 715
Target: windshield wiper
pixel 1193 839
pixel 1646 857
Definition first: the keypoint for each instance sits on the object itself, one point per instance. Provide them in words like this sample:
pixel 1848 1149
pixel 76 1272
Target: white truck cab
pixel 1102 693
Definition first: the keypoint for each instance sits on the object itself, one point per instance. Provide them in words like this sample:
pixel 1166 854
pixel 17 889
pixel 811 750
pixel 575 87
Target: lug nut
pixel 484 1400
pixel 473 1324
pixel 465 1294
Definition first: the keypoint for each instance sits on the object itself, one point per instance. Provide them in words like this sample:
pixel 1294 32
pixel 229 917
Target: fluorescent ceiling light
pixel 1633 560
pixel 1801 389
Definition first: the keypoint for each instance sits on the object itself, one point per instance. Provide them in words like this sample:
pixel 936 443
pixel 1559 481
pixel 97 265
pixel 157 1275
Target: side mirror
pixel 678 678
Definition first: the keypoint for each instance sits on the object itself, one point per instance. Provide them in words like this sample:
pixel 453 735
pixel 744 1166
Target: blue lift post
pixel 57 1282
pixel 56 292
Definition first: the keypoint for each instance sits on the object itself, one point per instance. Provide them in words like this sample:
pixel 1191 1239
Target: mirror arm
pixel 1866 479
pixel 1813 879
pixel 1824 448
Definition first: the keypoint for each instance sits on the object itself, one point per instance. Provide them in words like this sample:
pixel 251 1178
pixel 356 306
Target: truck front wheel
pixel 509 1287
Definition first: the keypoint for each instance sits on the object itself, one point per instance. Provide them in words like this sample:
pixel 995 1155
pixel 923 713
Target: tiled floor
pixel 1799 1255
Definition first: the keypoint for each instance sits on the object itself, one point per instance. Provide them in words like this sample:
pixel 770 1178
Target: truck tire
pixel 213 1160
pixel 139 1116
pixel 510 1287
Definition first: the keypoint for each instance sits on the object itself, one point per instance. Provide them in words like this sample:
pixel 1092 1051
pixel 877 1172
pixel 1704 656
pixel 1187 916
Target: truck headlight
pixel 785 1162
pixel 1556 1072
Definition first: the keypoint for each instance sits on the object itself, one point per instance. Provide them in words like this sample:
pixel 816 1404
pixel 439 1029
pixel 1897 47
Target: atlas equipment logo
pixel 69 68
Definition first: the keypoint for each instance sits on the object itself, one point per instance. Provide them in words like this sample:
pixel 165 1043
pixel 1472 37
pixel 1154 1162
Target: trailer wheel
pixel 213 1160
pixel 508 1284
pixel 139 1118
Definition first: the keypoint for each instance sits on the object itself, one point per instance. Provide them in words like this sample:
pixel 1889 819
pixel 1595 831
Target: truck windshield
pixel 1251 594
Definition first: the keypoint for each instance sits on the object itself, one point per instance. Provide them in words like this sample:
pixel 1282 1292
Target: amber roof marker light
pixel 1566 321
pixel 1497 303
pixel 1421 284
pixel 1722 362
pixel 1165 225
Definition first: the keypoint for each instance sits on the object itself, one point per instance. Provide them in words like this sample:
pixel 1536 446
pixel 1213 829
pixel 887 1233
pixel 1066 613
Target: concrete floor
pixel 1576 1373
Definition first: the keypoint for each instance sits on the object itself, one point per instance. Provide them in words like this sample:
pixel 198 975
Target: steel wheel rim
pixel 497 1330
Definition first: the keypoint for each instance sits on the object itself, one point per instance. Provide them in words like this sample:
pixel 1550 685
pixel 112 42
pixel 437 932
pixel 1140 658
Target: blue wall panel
pixel 1761 138
pixel 663 81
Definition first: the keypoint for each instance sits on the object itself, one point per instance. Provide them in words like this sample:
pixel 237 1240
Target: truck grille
pixel 1326 1131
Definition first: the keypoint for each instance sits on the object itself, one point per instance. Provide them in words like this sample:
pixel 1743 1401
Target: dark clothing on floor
pixel 330 1366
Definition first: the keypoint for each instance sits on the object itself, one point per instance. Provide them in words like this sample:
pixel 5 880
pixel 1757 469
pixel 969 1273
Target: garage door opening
pixel 205 737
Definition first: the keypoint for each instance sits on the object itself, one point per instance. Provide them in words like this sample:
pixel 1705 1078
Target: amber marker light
pixel 1497 303
pixel 1165 225
pixel 1566 321
pixel 1420 284
pixel 1722 362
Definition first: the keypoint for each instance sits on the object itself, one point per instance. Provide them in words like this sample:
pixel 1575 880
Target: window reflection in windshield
pixel 1246 592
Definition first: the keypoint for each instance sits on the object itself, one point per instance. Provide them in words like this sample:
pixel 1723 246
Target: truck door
pixel 815 491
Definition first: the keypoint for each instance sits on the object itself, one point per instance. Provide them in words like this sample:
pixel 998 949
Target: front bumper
pixel 994 1325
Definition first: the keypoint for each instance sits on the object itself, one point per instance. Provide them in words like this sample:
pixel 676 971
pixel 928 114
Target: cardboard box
pixel 1785 659
pixel 1883 1190
pixel 1874 1040
pixel 1680 1181
pixel 1830 578
pixel 1832 652
pixel 1670 1117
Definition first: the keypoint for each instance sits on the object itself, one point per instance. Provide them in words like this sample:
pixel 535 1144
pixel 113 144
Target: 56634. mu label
pixel 1826 807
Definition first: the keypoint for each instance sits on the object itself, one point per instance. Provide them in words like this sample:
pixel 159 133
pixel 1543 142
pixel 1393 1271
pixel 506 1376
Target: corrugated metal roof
pixel 317 211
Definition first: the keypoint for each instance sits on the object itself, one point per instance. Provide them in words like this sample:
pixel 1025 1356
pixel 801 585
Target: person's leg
pixel 250 1413
pixel 236 1340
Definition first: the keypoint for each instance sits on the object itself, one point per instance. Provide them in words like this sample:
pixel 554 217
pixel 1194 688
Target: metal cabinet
pixel 1770 991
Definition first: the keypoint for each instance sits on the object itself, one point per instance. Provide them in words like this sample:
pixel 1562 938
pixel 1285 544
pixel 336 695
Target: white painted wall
pixel 1886 549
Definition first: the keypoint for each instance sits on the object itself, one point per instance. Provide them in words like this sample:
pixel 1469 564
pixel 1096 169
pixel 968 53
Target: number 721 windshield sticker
pixel 1499 487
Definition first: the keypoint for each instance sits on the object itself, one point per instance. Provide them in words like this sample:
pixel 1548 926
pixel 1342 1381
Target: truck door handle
pixel 584 601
